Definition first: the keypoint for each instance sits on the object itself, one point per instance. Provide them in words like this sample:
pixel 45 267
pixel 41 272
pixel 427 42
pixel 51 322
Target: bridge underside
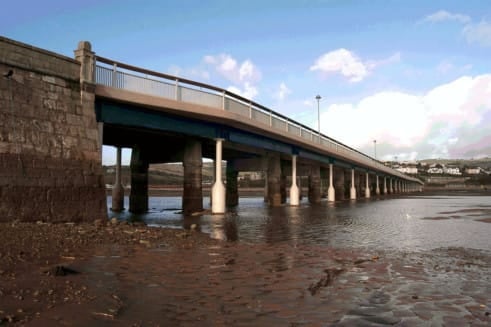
pixel 126 126
pixel 158 136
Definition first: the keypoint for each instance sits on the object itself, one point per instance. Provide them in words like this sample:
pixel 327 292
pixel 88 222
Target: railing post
pixel 115 76
pixel 177 90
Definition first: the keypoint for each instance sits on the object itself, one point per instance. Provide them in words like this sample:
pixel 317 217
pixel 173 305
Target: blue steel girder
pixel 128 115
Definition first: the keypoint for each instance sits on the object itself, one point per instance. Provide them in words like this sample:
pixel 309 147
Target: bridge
pixel 165 118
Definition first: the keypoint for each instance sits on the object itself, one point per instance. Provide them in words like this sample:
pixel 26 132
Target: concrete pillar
pixel 385 185
pixel 314 184
pixel 274 175
pixel 323 187
pixel 367 186
pixel 391 186
pixel 377 187
pixel 218 189
pixel 339 183
pixel 192 197
pixel 232 186
pixel 359 181
pixel 331 193
pixel 283 182
pixel 352 189
pixel 118 190
pixel 139 181
pixel 294 192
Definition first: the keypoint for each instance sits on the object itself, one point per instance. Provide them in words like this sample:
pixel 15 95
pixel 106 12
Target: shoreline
pixel 258 192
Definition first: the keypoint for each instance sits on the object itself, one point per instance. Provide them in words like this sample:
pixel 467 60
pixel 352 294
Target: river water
pixel 403 223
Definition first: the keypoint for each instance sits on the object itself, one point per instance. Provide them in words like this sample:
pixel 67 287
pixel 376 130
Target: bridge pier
pixel 139 181
pixel 367 186
pixel 352 189
pixel 324 180
pixel 377 187
pixel 218 189
pixel 385 185
pixel 232 187
pixel 359 184
pixel 283 182
pixel 274 176
pixel 339 183
pixel 192 197
pixel 294 192
pixel 118 190
pixel 331 193
pixel 314 184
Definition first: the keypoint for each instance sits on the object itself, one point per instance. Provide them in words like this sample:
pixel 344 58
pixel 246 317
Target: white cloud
pixel 341 61
pixel 478 33
pixel 443 15
pixel 430 124
pixel 348 64
pixel 230 69
pixel 282 93
pixel 244 75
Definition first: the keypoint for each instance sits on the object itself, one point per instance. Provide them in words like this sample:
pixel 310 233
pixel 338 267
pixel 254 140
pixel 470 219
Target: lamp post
pixel 318 98
pixel 375 149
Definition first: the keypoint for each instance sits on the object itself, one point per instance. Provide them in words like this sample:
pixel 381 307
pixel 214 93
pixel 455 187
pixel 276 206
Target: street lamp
pixel 318 97
pixel 375 149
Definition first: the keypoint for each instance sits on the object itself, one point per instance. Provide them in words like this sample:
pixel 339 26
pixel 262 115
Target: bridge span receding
pixel 81 104
pixel 251 136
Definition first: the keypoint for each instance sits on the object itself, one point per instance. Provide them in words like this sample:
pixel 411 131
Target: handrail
pixel 240 101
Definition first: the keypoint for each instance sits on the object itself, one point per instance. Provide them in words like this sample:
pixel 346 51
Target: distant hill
pixel 482 162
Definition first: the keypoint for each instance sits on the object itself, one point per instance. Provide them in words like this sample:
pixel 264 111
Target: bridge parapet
pixel 119 75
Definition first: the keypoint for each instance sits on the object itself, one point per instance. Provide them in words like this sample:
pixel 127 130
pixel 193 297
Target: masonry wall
pixel 50 155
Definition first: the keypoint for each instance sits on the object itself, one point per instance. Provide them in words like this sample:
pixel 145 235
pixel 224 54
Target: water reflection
pixel 396 223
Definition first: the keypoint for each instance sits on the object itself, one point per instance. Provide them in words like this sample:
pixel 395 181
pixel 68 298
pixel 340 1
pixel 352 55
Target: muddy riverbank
pixel 132 275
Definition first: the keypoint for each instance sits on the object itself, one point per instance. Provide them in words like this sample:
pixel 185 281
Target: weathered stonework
pixel 50 153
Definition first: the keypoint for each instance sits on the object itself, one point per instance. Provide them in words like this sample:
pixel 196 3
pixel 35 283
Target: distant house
pixel 452 170
pixel 435 170
pixel 408 169
pixel 473 170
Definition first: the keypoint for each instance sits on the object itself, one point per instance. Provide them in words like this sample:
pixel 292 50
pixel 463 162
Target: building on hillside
pixel 473 170
pixel 452 170
pixel 435 169
pixel 408 169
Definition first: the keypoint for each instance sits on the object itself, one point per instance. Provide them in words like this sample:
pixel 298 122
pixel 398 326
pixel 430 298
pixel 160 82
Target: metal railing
pixel 122 76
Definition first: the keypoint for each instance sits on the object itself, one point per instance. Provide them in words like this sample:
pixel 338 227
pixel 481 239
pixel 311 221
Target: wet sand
pixel 131 275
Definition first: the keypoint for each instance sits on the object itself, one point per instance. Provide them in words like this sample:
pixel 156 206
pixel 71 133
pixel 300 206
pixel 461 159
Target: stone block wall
pixel 50 154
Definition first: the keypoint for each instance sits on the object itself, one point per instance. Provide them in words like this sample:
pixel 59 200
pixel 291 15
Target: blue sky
pixel 413 75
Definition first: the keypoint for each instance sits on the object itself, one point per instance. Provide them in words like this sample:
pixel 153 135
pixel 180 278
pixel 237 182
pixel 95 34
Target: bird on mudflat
pixel 8 74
